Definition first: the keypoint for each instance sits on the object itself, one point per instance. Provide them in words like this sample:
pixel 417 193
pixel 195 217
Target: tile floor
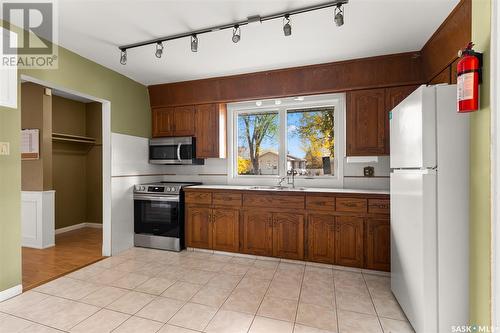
pixel 145 291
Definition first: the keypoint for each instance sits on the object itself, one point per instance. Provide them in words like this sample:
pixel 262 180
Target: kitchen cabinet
pixel 443 77
pixel 288 235
pixel 198 227
pixel 173 121
pixel 321 238
pixel 349 241
pixel 257 232
pixel 378 239
pixel 211 131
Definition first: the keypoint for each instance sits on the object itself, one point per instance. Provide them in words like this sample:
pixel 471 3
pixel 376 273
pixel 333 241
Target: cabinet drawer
pixel 350 205
pixel 227 199
pixel 381 206
pixel 274 201
pixel 320 202
pixel 202 198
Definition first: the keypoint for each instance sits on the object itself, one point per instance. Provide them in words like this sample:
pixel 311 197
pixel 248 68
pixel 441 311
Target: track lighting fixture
pixel 236 33
pixel 287 27
pixel 339 15
pixel 194 43
pixel 159 50
pixel 123 57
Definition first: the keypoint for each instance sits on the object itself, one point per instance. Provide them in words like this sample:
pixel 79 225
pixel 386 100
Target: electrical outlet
pixel 369 171
pixel 4 148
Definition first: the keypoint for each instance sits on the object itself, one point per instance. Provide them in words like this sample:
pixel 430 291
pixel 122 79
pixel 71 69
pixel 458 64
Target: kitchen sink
pixel 277 188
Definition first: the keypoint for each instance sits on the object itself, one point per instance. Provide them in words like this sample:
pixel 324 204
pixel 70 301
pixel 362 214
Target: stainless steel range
pixel 159 215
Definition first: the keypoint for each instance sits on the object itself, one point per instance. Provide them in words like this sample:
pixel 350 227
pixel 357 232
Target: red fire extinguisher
pixel 468 79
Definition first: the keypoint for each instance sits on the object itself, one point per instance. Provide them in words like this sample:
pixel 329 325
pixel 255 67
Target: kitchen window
pixel 272 138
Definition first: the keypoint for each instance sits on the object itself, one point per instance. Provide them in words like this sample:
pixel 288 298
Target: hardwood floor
pixel 73 250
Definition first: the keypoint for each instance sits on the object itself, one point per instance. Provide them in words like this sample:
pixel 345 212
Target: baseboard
pixel 79 226
pixel 11 292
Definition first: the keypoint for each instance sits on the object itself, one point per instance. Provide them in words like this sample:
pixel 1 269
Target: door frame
pixel 106 156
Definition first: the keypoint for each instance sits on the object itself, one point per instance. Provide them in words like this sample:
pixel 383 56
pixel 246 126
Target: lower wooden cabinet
pixel 349 241
pixel 378 240
pixel 288 235
pixel 215 229
pixel 321 238
pixel 257 233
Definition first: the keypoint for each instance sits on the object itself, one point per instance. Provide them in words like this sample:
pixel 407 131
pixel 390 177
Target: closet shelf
pixel 73 138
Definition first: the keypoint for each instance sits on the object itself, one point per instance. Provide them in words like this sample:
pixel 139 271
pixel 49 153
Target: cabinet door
pixel 163 122
pixel 257 233
pixel 288 235
pixel 378 252
pixel 443 77
pixel 226 229
pixel 349 241
pixel 198 227
pixel 366 123
pixel 210 131
pixel 321 238
pixel 184 120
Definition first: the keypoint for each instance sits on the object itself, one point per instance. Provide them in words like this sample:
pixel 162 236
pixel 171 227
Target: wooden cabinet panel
pixel 349 241
pixel 274 200
pixel 184 120
pixel 453 71
pixel 200 198
pixel 321 238
pixel 443 77
pixel 379 206
pixel 226 229
pixel 211 131
pixel 257 233
pixel 163 122
pixel 288 235
pixel 366 123
pixel 198 227
pixel 350 205
pixel 227 199
pixel 320 202
pixel 378 252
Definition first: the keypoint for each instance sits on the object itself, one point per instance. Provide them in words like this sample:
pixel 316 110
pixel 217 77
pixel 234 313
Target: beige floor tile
pixel 172 273
pixel 284 290
pixel 131 302
pixel 212 296
pixel 396 326
pixel 278 308
pixel 130 266
pixel 182 290
pixel 235 269
pixel 243 301
pixel 255 285
pixel 104 296
pixel 155 285
pixel 267 263
pixel 210 265
pixel 242 261
pixel 86 272
pixel 388 307
pixel 151 269
pixel 307 329
pixel 175 329
pixel 137 324
pixel 25 300
pixel 358 322
pixel 259 272
pixel 130 281
pixel 229 322
pixel 318 295
pixel 110 262
pixel 38 328
pixel 12 324
pixel 268 325
pixel 160 309
pixel 193 316
pixel 101 322
pixel 224 281
pixel 354 301
pixel 107 277
pixel 317 316
pixel 68 288
pixel 197 276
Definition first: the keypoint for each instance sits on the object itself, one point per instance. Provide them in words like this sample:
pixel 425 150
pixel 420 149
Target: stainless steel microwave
pixel 174 150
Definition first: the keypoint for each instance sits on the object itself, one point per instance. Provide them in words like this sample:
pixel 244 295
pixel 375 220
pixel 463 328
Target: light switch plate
pixel 4 148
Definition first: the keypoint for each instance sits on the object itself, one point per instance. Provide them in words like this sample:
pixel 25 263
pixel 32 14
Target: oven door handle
pixel 170 198
pixel 179 152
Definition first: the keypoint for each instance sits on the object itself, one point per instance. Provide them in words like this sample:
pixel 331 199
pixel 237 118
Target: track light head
pixel 339 15
pixel 236 34
pixel 287 27
pixel 123 57
pixel 194 43
pixel 159 50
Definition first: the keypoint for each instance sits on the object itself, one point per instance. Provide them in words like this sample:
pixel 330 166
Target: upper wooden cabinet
pixel 173 121
pixel 210 131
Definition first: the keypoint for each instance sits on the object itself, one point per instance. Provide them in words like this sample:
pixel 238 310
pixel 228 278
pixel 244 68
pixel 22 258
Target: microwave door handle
pixel 179 152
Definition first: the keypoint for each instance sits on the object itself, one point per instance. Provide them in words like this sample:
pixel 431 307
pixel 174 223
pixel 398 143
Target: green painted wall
pixel 480 219
pixel 130 114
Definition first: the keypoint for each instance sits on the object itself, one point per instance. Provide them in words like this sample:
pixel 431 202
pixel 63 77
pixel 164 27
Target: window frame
pixel 309 102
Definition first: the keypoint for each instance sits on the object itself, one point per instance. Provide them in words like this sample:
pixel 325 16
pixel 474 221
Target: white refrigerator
pixel 430 209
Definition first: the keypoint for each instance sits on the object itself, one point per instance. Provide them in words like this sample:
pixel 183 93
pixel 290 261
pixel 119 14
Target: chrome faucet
pixel 292 173
pixel 281 180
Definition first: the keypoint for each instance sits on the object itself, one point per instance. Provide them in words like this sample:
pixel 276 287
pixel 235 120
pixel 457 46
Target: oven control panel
pixel 157 189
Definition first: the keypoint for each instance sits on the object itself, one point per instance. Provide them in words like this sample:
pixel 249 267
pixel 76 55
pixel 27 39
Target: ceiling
pixel 95 29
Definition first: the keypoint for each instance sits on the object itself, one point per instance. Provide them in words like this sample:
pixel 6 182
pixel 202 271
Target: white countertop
pixel 298 189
